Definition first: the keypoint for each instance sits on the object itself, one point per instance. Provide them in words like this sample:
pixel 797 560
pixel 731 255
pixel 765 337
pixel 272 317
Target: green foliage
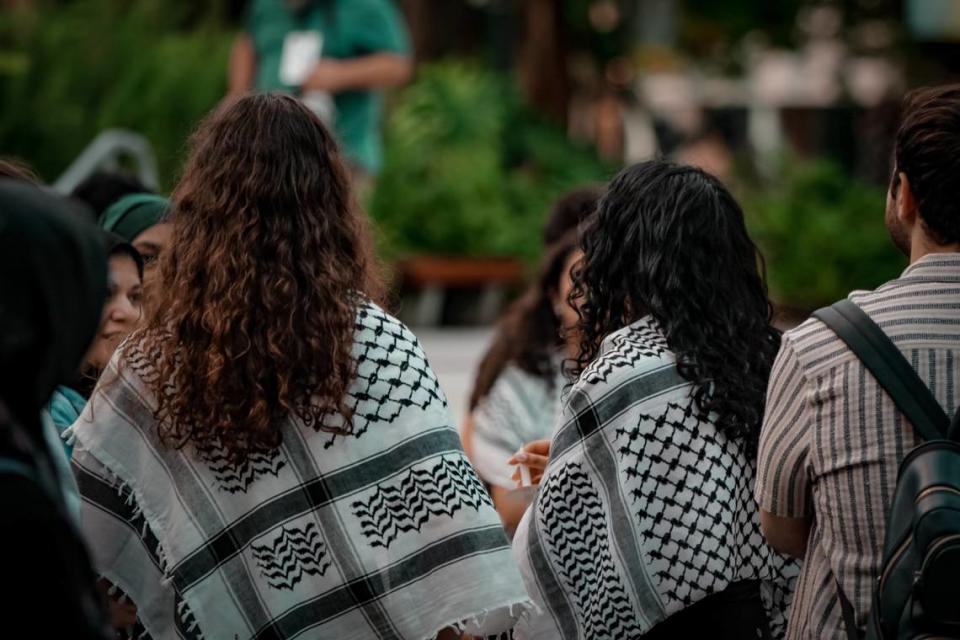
pixel 468 169
pixel 822 234
pixel 71 71
pixel 706 25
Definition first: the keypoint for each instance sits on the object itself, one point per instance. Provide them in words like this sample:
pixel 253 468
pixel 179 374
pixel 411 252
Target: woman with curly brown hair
pixel 271 455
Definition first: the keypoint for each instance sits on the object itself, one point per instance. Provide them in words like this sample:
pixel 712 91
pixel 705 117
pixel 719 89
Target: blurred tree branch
pixel 543 61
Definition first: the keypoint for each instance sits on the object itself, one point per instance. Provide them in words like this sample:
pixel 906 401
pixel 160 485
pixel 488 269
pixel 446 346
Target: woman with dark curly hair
pixel 271 455
pixel 645 524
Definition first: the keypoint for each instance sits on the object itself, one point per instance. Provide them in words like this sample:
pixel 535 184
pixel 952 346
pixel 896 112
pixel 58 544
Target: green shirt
pixel 350 29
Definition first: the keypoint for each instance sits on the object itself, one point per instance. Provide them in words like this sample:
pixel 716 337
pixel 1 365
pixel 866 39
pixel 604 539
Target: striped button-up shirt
pixel 832 439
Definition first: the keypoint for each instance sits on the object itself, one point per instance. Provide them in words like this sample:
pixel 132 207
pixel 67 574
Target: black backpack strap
pixel 849 617
pixel 892 371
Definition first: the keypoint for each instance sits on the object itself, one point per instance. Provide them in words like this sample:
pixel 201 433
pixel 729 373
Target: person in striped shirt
pixel 832 440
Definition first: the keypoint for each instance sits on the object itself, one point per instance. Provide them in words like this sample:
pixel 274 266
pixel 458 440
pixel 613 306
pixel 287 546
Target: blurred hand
pixel 122 615
pixel 535 456
pixel 327 75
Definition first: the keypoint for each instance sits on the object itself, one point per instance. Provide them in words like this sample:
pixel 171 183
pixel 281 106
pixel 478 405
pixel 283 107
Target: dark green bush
pixel 74 69
pixel 822 234
pixel 469 170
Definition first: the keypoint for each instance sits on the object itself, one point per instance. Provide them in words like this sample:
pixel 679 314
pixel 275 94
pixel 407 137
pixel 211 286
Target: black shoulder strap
pixel 849 617
pixel 882 358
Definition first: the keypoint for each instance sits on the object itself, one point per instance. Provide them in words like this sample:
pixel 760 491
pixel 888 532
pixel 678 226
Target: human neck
pixel 921 245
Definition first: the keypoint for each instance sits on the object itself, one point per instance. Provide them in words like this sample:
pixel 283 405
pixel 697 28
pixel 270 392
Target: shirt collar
pixel 936 267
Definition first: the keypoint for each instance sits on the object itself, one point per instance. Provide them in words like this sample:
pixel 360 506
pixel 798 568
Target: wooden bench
pixel 430 277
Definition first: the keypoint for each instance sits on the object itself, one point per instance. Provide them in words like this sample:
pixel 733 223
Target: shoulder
pixel 635 363
pixel 376 331
pixel 636 348
pixel 64 407
pixel 518 396
pixel 393 382
pixel 389 357
pixel 374 24
pixel 515 381
pixel 816 347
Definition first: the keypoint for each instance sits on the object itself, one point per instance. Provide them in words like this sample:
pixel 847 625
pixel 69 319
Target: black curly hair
pixel 670 241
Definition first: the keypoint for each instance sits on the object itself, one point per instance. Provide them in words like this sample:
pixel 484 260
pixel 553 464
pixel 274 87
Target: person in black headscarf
pixel 53 275
pixel 121 313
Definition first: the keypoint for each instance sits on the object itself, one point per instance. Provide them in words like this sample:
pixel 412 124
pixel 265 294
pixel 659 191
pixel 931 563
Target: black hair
pixel 103 188
pixel 569 211
pixel 118 246
pixel 670 241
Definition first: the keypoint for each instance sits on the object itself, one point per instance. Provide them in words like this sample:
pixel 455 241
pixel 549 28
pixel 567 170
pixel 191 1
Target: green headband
pixel 133 214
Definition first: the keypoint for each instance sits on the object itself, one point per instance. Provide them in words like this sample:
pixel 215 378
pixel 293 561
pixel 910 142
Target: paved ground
pixel 454 354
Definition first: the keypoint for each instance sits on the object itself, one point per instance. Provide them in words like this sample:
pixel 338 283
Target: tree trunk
pixel 543 62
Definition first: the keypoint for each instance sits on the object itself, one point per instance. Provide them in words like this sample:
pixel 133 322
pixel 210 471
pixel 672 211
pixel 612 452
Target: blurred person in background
pixel 142 220
pixel 644 524
pixel 51 296
pixel 516 396
pixel 103 188
pixel 121 313
pixel 709 151
pixel 270 405
pixel 337 56
pixel 569 212
pixel 120 316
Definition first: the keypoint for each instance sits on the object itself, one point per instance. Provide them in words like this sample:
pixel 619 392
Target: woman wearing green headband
pixel 140 219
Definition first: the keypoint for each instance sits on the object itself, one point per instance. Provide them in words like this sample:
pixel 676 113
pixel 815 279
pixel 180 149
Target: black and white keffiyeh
pixel 645 507
pixel 384 533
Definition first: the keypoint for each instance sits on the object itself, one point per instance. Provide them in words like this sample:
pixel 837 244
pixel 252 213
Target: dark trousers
pixel 736 613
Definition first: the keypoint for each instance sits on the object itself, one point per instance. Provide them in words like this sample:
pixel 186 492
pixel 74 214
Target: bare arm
pixel 510 507
pixel 466 436
pixel 243 65
pixel 375 71
pixel 787 535
pixel 783 488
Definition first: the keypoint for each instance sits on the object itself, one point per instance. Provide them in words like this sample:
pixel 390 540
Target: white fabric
pixel 384 533
pixel 645 507
pixel 520 408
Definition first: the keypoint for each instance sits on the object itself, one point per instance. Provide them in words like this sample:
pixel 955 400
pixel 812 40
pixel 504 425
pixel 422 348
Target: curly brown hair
pixel 269 260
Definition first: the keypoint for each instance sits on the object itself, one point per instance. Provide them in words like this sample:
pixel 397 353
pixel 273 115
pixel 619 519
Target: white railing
pixel 105 153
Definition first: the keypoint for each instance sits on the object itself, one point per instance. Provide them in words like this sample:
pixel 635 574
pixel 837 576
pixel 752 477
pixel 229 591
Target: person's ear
pixel 906 203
